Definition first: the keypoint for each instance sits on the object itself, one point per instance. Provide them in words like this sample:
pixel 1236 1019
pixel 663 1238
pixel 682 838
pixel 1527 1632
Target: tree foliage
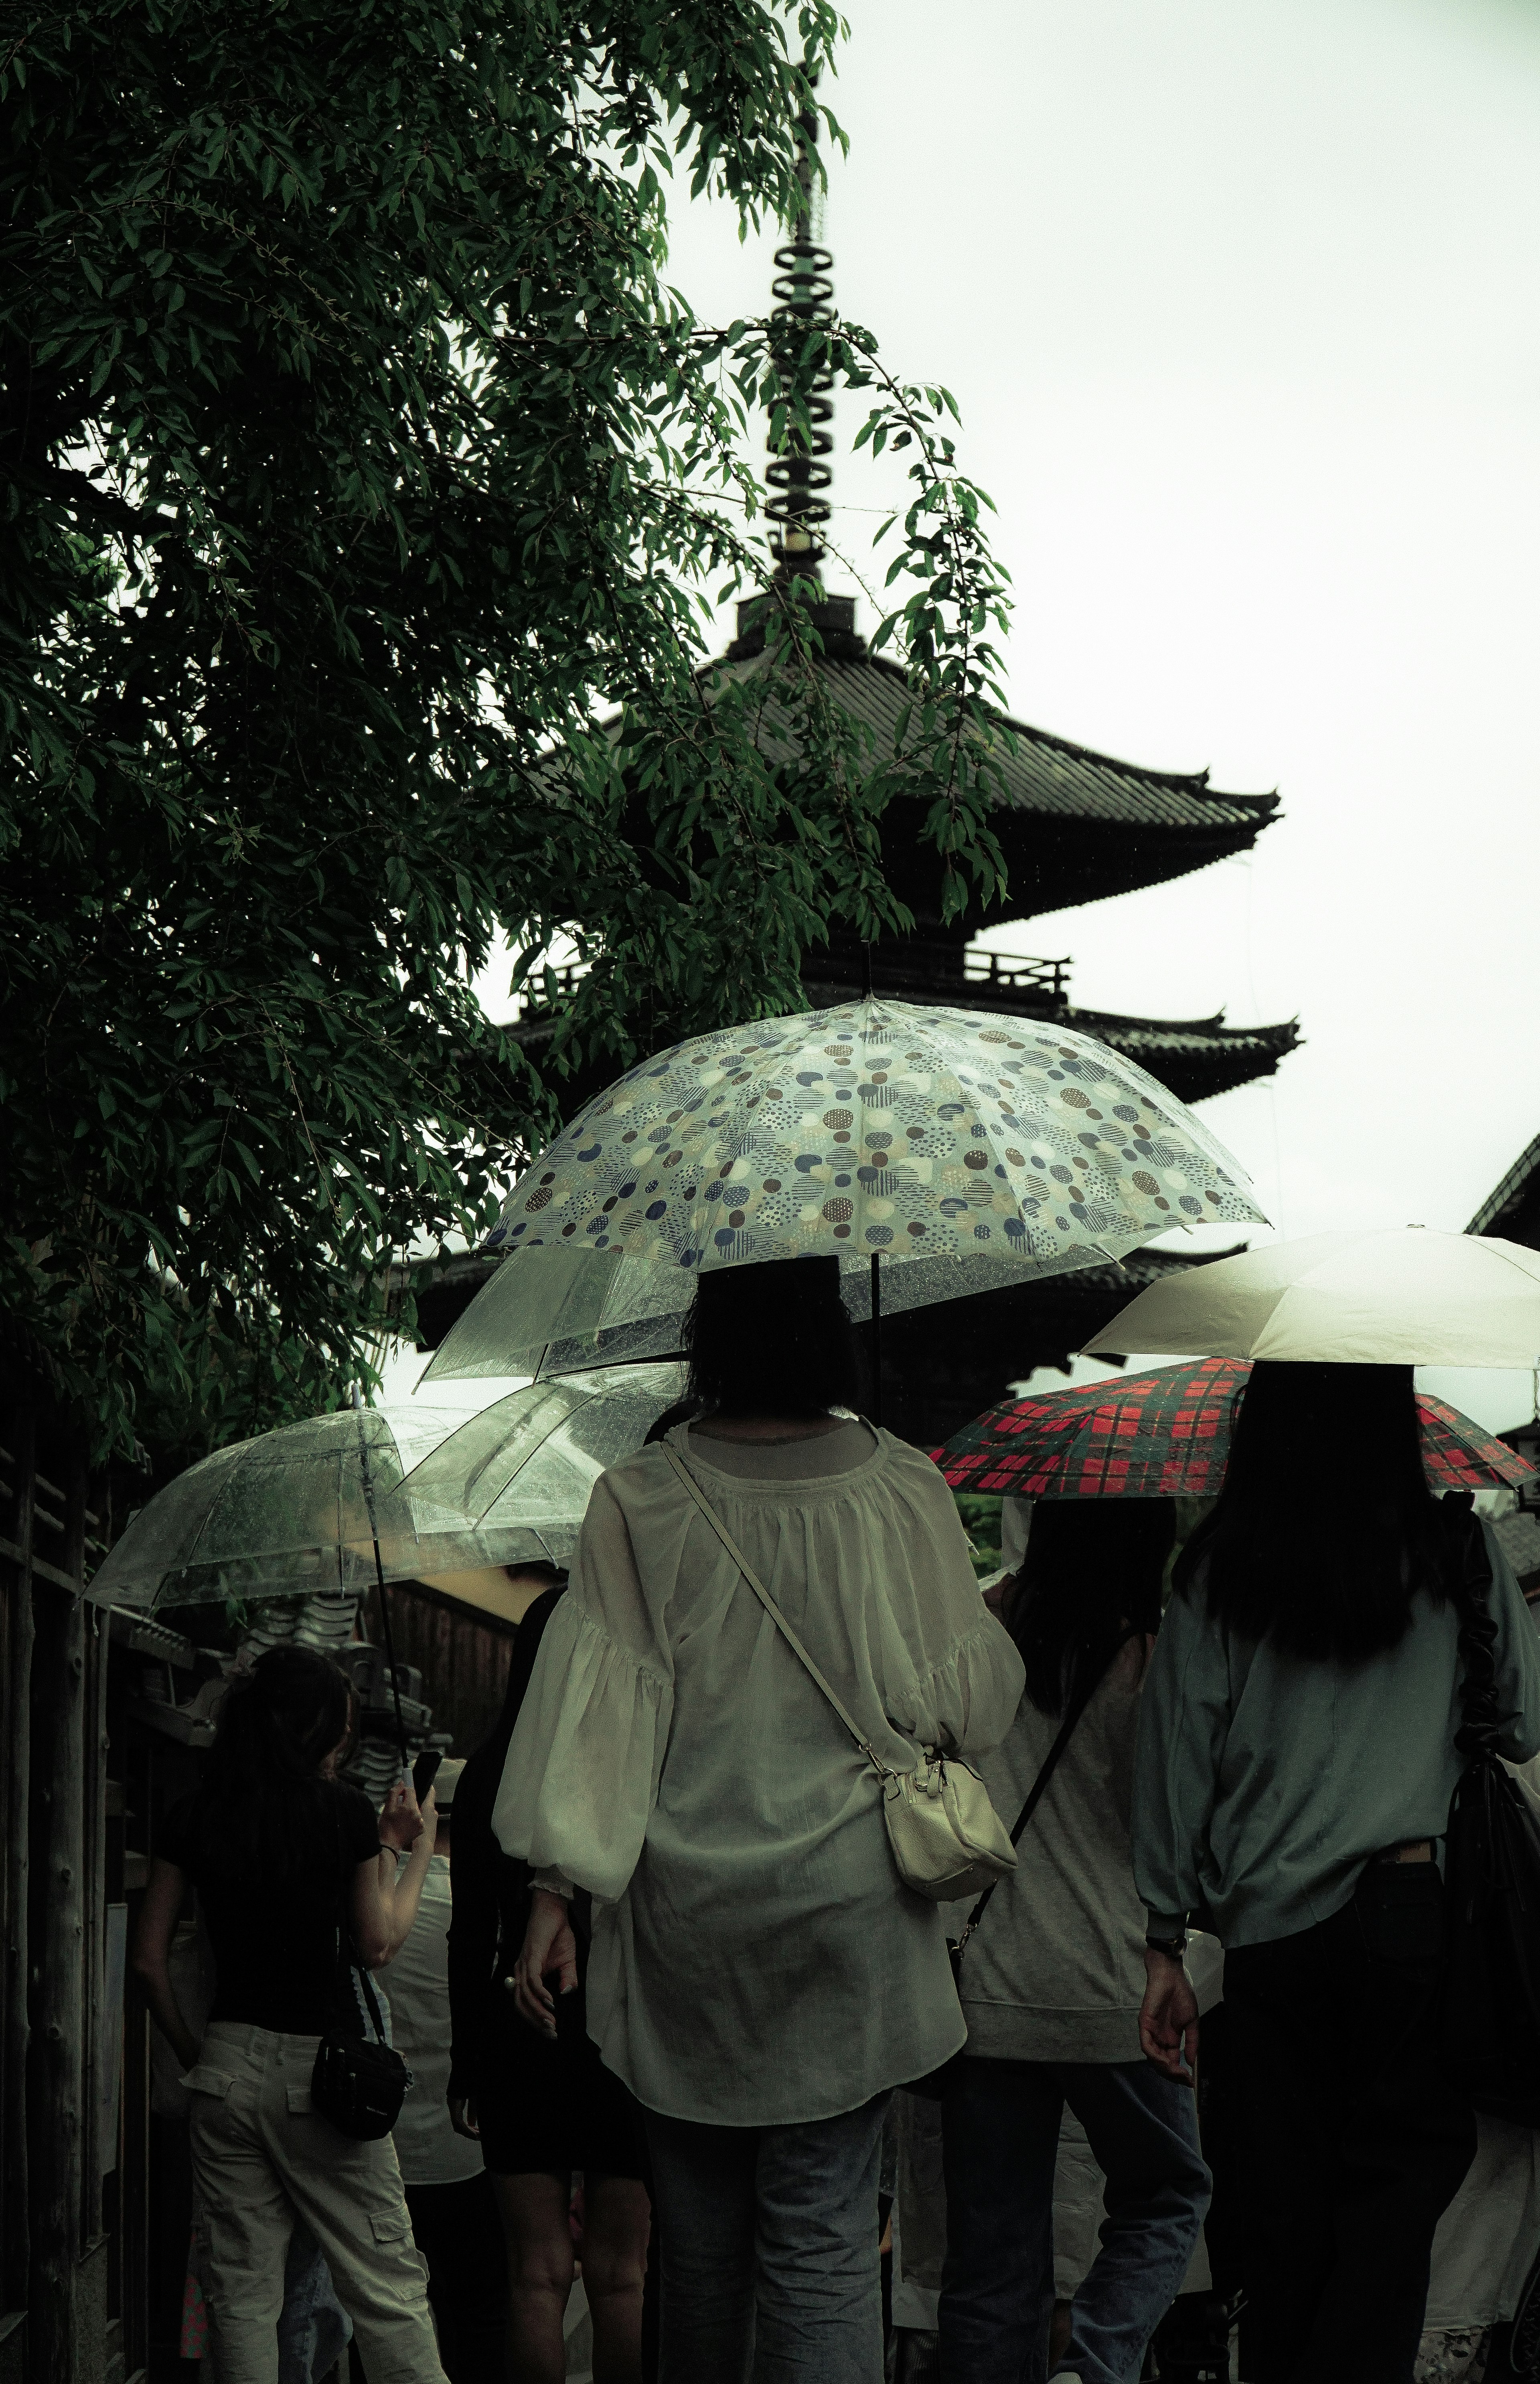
pixel 355 457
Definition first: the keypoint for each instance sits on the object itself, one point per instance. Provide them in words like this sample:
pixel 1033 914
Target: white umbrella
pixel 1399 1295
pixel 964 1149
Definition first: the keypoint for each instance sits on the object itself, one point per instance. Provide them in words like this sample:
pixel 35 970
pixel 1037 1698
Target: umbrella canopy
pixel 964 1149
pixel 1166 1434
pixel 523 1468
pixel 288 1514
pixel 1397 1297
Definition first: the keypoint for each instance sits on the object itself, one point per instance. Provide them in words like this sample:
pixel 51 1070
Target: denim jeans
pixel 1354 2141
pixel 999 2136
pixel 767 2245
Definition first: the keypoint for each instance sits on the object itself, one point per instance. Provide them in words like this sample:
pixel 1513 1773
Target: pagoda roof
pixel 1512 1208
pixel 1075 825
pixel 945 1364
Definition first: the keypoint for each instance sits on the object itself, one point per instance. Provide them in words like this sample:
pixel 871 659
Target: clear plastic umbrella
pixel 289 1513
pixel 962 1149
pixel 522 1470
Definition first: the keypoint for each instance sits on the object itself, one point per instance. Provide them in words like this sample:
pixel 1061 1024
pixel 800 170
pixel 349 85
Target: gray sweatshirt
pixel 1055 1970
pixel 1264 1782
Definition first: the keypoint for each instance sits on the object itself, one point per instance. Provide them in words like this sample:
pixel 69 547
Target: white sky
pixel 1236 297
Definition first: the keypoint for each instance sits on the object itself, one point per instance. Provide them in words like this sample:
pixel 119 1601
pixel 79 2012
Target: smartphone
pixel 423 1771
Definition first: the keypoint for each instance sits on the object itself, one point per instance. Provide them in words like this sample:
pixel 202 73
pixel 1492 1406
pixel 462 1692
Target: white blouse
pixel 756 1960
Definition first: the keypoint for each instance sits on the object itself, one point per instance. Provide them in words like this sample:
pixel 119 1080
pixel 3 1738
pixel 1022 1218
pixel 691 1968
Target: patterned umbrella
pixel 1166 1434
pixel 966 1149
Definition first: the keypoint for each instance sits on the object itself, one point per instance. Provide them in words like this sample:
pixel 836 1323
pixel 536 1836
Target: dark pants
pixel 459 2234
pixel 1355 2143
pixel 768 2250
pixel 999 2143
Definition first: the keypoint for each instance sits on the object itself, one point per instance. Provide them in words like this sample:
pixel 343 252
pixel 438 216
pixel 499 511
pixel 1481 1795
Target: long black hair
pixel 1325 1529
pixel 1090 1578
pixel 771 1340
pixel 265 1799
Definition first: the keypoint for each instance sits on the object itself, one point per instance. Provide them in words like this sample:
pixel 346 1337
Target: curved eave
pixel 1075 825
pixel 1512 1210
pixel 1195 1059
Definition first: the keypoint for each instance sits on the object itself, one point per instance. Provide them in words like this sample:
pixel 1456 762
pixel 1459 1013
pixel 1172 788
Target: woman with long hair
pixel 1051 1981
pixel 759 1976
pixel 1296 1758
pixel 297 1877
pixel 540 2108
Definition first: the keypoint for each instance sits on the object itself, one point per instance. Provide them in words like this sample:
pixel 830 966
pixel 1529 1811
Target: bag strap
pixel 1033 1794
pixel 348 1965
pixel 885 1771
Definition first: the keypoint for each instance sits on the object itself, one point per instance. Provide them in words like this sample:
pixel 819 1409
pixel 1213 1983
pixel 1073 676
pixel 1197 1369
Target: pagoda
pixel 1074 826
pixel 1511 1210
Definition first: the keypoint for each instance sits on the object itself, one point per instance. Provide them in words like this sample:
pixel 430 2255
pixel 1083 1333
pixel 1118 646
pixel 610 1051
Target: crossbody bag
pixel 357 2085
pixel 947 1838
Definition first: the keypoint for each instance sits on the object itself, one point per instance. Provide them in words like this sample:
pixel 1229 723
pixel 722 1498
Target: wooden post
pixel 93 1885
pixel 55 2079
pixel 16 1687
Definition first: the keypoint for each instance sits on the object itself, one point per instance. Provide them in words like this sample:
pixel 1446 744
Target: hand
pixel 401 1817
pixel 998 1596
pixel 549 1944
pixel 1168 2018
pixel 461 2118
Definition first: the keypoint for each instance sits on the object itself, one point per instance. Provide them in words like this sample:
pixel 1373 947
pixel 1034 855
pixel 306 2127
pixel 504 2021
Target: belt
pixel 1409 1850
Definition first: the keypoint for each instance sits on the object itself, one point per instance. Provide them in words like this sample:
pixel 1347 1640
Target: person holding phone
pixel 297 1877
pixel 541 2108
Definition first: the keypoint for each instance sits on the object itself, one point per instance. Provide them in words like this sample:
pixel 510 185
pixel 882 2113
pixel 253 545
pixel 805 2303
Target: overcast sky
pixel 1238 305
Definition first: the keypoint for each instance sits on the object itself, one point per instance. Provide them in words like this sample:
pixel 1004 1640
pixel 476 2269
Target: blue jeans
pixel 1000 2140
pixel 767 2250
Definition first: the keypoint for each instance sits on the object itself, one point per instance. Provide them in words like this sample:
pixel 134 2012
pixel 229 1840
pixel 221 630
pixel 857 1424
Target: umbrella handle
pixel 876 1343
pixel 379 1574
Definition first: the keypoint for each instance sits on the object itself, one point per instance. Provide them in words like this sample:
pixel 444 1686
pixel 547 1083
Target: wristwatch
pixel 1174 1946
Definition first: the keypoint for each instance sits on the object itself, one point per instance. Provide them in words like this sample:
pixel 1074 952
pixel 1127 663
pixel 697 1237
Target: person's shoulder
pixel 356 1820
pixel 906 1467
pixel 640 1476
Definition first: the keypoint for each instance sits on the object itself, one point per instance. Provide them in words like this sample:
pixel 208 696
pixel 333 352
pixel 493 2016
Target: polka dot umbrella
pixel 958 1148
pixel 1166 1434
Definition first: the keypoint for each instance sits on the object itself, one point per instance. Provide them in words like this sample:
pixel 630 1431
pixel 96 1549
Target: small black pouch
pixel 358 2086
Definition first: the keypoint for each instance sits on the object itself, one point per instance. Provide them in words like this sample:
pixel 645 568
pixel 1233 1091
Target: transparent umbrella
pixel 959 1150
pixel 521 1470
pixel 289 1513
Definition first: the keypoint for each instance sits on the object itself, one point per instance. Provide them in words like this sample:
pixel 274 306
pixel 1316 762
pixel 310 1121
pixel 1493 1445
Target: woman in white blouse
pixel 759 1976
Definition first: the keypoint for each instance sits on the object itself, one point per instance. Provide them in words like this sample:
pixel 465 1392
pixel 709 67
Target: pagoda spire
pixel 798 474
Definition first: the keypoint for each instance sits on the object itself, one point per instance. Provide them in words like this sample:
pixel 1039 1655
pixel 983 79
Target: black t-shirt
pixel 275 1940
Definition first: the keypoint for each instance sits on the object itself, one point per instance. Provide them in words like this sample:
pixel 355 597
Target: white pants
pixel 260 2156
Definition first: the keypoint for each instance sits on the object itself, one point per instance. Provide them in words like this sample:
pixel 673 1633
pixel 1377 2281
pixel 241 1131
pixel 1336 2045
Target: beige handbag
pixel 946 1836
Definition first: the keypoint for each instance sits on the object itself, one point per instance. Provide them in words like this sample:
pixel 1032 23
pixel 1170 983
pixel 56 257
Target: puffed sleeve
pixel 1184 1722
pixel 970 1700
pixel 582 1768
pixel 965 1697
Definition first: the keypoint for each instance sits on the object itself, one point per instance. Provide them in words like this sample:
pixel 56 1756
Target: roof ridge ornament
pixel 798 474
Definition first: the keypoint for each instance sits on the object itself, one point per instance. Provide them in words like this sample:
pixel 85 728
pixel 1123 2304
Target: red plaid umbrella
pixel 1166 1434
